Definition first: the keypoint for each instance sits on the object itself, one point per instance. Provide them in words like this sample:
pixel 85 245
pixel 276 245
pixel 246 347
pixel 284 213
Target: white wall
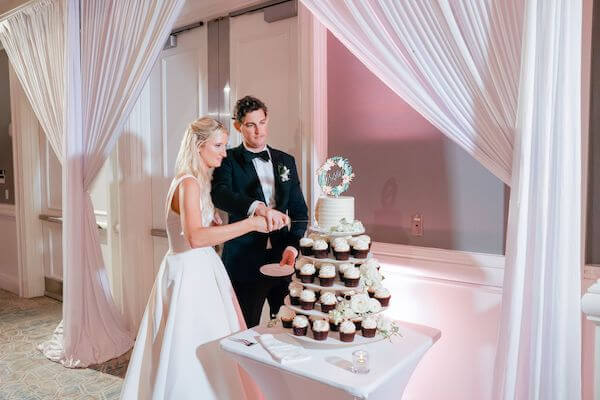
pixel 9 273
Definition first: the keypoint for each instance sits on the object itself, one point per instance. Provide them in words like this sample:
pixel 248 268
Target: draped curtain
pixel 455 62
pixel 471 67
pixel 107 52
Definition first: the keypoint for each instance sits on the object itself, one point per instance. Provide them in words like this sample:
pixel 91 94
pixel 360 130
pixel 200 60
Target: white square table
pixel 328 373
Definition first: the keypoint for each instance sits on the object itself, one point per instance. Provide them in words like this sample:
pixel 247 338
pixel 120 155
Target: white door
pixel 264 64
pixel 174 95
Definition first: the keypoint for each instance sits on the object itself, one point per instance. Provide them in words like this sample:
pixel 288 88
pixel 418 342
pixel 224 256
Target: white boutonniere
pixel 284 173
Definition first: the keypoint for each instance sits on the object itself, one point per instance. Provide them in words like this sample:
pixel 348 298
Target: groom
pixel 256 179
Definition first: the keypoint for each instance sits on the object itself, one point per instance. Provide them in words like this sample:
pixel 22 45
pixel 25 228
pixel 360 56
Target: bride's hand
pixel 259 224
pixel 217 219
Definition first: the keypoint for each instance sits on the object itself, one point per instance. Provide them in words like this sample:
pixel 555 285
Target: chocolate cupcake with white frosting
pixel 307 273
pixel 369 327
pixel 328 301
pixel 300 325
pixel 327 274
pixel 295 289
pixel 320 249
pixel 320 329
pixel 347 331
pixel 286 315
pixel 341 251
pixel 307 299
pixel 306 246
pixel 361 249
pixel 383 295
pixel 351 277
pixel 343 267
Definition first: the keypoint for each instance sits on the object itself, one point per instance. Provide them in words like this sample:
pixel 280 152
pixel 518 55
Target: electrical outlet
pixel 416 225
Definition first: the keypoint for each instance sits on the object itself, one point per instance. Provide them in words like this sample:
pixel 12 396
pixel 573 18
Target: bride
pixel 192 303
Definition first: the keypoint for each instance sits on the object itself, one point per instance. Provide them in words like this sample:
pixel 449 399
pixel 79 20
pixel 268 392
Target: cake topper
pixel 335 176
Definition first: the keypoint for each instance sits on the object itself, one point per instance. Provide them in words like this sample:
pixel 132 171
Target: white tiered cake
pixel 331 210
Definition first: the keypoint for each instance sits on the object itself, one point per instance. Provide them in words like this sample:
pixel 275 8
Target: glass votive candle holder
pixel 360 362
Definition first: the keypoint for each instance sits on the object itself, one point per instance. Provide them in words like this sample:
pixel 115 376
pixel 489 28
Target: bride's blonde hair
pixel 189 160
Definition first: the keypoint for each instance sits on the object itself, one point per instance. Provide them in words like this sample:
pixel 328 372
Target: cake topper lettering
pixel 335 176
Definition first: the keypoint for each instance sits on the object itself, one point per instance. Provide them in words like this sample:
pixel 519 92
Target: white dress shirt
pixel 264 171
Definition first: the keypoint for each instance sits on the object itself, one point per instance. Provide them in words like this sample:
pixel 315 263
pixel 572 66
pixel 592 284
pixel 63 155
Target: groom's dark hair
pixel 246 105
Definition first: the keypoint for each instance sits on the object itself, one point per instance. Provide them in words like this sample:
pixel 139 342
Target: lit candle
pixel 360 361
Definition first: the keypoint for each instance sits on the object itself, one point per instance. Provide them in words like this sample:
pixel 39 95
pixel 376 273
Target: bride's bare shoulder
pixel 189 188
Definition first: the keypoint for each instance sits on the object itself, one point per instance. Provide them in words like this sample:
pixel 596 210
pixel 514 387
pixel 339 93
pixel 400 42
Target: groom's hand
pixel 275 219
pixel 289 256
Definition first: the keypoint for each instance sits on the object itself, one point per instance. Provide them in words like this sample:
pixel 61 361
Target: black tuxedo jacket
pixel 235 186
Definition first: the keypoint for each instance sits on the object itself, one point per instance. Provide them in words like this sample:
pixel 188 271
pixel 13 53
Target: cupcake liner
pixel 361 254
pixel 307 278
pixel 286 323
pixel 369 332
pixel 385 301
pixel 307 305
pixel 299 331
pixel 320 253
pixel 327 307
pixel 342 256
pixel 320 335
pixel 326 281
pixel 306 251
pixel 347 337
pixel 351 282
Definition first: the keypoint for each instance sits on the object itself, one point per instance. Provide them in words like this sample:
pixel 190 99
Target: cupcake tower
pixel 333 273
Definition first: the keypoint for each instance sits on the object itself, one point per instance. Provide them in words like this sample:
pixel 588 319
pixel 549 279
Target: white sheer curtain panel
pixel 455 62
pixel 539 349
pixel 83 64
pixel 108 63
pixel 34 40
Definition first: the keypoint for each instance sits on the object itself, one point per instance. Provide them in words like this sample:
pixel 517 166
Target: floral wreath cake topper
pixel 335 170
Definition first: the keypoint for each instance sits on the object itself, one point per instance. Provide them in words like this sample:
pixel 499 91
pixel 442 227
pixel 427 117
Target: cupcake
pixel 341 251
pixel 298 265
pixel 307 273
pixel 369 327
pixel 383 295
pixel 326 274
pixel 320 249
pixel 357 323
pixel 286 316
pixel 361 249
pixel 300 325
pixel 307 299
pixel 328 302
pixel 343 267
pixel 295 291
pixel 371 291
pixel 351 277
pixel 306 245
pixel 333 326
pixel 338 241
pixel 320 329
pixel 365 238
pixel 347 331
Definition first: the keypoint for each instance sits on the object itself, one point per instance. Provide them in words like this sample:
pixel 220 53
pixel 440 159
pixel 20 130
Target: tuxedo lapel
pixel 250 172
pixel 280 190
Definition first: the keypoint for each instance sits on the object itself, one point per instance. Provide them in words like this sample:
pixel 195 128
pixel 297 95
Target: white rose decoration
pixel 360 303
pixel 384 325
pixel 374 306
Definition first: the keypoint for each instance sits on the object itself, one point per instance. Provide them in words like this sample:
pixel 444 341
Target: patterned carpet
pixel 25 374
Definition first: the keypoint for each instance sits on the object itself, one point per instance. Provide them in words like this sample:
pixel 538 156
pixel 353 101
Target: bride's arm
pixel 191 220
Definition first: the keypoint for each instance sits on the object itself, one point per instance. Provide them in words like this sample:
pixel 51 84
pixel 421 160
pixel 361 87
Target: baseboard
pixel 9 282
pixel 8 210
pixel 54 288
pixel 441 264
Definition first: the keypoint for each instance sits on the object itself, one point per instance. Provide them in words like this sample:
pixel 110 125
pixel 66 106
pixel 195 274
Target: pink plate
pixel 276 270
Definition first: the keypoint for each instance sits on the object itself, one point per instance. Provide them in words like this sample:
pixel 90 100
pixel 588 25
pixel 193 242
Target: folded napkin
pixel 282 352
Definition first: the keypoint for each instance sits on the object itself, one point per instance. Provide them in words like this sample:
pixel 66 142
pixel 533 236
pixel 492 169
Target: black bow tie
pixel 250 155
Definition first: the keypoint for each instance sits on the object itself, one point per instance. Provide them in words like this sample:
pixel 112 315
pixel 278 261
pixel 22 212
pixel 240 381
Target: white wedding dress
pixel 192 305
